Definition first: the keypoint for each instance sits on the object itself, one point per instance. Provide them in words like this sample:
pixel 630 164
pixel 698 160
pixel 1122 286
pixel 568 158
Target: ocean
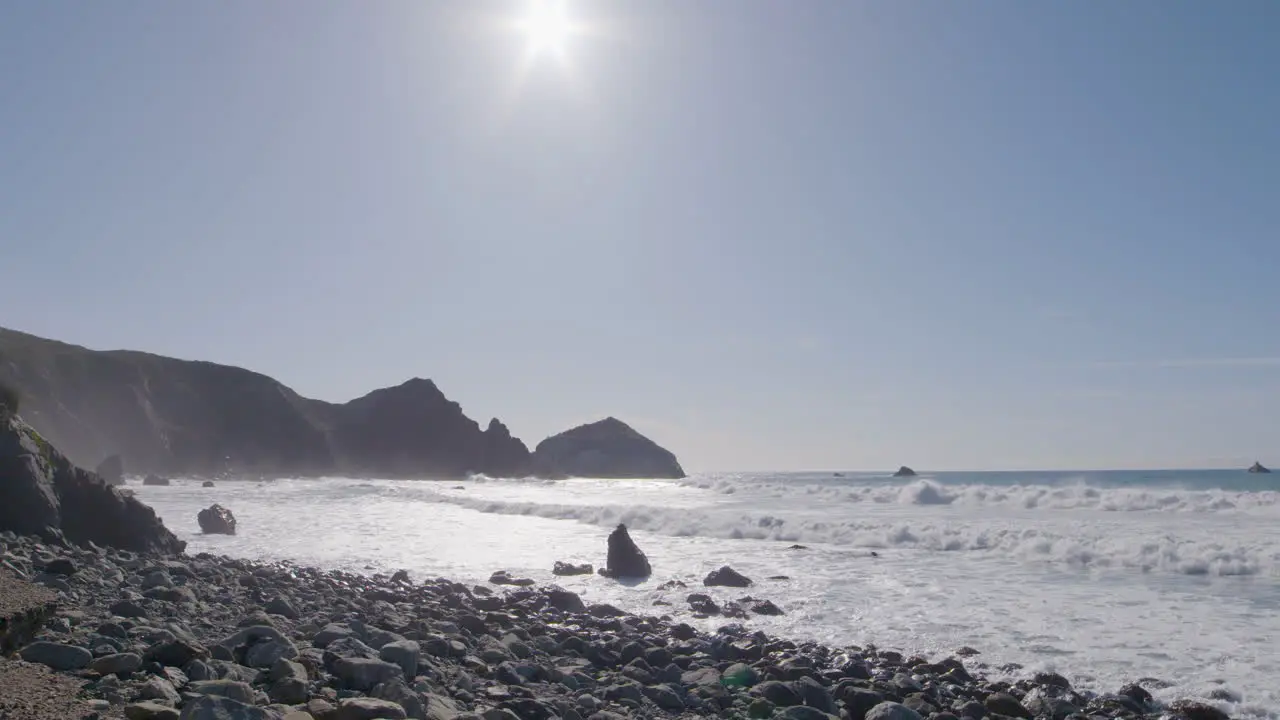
pixel 1171 578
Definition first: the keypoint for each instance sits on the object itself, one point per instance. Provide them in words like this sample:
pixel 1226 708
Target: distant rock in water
pixel 1258 467
pixel 625 559
pixel 905 471
pixel 111 470
pixel 207 483
pixel 43 493
pixel 155 480
pixel 606 449
pixel 216 520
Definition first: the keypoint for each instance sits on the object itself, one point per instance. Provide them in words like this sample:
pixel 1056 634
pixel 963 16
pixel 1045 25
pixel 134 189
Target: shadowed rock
pixel 564 568
pixel 905 471
pixel 726 577
pixel 626 560
pixel 44 494
pixel 216 520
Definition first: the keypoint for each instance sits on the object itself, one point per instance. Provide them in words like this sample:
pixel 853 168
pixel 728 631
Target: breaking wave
pixel 1081 546
pixel 1030 497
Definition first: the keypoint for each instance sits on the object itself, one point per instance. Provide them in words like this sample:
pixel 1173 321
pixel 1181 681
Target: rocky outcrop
pixel 216 520
pixel 1258 467
pixel 414 430
pixel 625 559
pixel 155 480
pixel 564 569
pixel 43 493
pixel 606 449
pixel 111 470
pixel 726 577
pixel 905 471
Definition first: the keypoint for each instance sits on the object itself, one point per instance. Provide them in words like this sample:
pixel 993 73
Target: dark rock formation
pixel 905 471
pixel 608 449
pixel 111 470
pixel 702 604
pixel 216 520
pixel 178 417
pixel 564 568
pixel 155 480
pixel 42 493
pixel 726 577
pixel 414 430
pixel 1258 467
pixel 206 484
pixel 502 577
pixel 625 559
pixel 766 607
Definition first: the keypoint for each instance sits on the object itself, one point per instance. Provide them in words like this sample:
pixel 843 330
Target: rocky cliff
pixel 606 449
pixel 171 417
pixel 179 417
pixel 43 493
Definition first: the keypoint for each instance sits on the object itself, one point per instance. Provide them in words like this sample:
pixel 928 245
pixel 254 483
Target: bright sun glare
pixel 547 26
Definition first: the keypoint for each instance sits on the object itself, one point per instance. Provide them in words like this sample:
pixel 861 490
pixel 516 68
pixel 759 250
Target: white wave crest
pixel 1077 496
pixel 1088 547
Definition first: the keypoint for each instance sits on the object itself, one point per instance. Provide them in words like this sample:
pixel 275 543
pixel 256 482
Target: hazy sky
pixel 771 235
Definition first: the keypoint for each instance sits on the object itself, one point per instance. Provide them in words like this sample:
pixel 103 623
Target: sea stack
pixel 905 471
pixel 625 560
pixel 1258 467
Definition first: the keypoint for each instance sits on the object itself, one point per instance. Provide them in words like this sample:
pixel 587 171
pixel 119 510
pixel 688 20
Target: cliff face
pixel 413 429
pixel 43 493
pixel 606 449
pixel 171 416
pixel 175 417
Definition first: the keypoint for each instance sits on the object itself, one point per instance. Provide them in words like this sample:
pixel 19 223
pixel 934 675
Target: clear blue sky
pixel 771 235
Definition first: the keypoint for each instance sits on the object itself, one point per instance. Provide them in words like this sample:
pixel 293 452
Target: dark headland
pixel 125 411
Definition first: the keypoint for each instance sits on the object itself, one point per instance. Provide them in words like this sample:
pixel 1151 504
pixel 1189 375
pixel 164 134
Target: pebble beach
pixel 205 637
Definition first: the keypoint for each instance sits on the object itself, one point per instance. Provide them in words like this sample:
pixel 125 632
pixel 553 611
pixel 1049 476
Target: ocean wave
pixel 1090 548
pixel 1077 496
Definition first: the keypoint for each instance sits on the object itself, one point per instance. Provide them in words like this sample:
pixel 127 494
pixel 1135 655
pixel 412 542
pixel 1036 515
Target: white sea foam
pixel 1105 584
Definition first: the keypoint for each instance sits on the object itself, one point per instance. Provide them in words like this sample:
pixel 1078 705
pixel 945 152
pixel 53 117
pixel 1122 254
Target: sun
pixel 547 26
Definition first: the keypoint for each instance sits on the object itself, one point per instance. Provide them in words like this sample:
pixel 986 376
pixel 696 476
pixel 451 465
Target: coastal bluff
pixel 173 417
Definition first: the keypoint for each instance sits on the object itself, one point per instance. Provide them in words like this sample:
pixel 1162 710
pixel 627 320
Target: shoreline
pixel 174 636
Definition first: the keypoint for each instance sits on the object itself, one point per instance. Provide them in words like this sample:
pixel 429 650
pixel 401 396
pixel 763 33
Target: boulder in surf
pixel 216 520
pixel 625 560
